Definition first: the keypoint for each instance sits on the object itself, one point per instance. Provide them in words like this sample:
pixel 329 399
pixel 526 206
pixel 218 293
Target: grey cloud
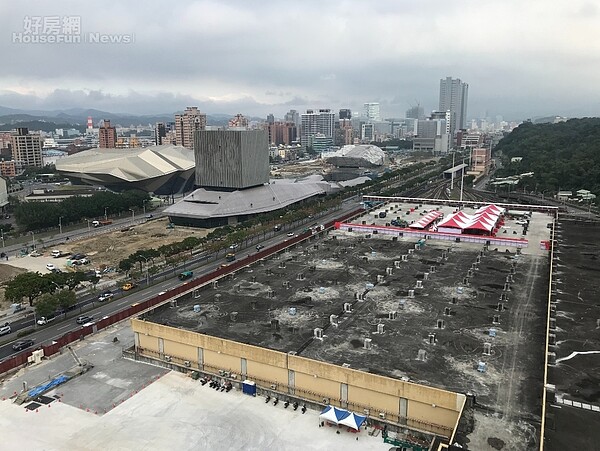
pixel 268 55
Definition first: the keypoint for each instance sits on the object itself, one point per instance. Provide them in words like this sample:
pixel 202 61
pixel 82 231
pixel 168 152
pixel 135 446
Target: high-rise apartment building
pixel 453 97
pixel 270 118
pixel 415 112
pixel 372 112
pixel 282 133
pixel 316 122
pixel 26 149
pixel 190 121
pixel 344 113
pixel 164 133
pixel 160 132
pixel 481 159
pixel 107 135
pixel 367 133
pixel 445 116
pixel 239 121
pixel 293 116
pixel 343 132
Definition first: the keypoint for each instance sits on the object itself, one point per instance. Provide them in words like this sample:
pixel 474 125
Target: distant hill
pixel 563 156
pixel 35 124
pixel 74 117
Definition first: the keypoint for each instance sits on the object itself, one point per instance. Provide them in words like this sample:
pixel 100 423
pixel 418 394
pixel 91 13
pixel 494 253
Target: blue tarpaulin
pixel 43 388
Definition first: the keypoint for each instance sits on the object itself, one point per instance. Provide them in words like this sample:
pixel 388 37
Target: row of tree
pixel 50 292
pixel 42 215
pixel 565 155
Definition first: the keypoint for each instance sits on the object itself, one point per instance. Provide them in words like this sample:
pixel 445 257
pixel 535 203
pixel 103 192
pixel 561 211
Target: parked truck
pixel 101 223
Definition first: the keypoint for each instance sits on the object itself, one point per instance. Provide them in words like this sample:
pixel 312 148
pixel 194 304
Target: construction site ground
pixel 105 249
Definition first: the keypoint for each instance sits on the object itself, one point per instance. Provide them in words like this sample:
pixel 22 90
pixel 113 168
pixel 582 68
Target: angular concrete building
pixel 162 170
pixel 231 159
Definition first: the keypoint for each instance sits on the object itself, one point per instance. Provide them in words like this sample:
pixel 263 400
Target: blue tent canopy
pixel 333 414
pixel 354 421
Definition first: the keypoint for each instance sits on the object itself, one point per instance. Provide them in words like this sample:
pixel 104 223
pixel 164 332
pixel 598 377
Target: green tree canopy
pixel 565 155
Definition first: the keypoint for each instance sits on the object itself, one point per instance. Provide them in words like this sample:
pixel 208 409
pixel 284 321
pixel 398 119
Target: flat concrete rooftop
pixel 576 339
pixel 441 328
pixel 126 405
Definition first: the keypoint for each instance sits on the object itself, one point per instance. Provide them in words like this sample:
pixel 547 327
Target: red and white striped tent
pixel 485 220
pixel 426 220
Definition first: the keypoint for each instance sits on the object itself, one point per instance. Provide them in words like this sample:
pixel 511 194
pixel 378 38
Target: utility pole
pixel 60 225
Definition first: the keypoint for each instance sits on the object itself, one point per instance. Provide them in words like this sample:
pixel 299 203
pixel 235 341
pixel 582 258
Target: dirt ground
pixel 104 250
pixel 110 248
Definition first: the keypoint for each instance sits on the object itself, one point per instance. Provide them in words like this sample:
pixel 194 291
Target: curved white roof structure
pixel 162 169
pixel 356 155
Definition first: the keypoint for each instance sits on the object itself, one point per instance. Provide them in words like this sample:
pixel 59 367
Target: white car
pixel 50 267
pixel 290 234
pixel 106 296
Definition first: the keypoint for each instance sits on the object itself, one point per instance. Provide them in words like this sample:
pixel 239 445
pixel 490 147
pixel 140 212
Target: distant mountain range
pixel 77 118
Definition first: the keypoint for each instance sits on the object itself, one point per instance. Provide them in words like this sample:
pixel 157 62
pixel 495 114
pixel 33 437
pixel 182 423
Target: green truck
pixel 186 275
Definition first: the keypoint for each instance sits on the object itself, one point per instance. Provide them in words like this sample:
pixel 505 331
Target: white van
pixel 56 253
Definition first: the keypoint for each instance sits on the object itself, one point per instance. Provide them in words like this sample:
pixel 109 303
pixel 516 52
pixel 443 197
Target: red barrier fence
pixel 53 348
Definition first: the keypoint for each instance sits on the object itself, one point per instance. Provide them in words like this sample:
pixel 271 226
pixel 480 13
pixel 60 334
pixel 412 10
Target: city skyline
pixel 514 69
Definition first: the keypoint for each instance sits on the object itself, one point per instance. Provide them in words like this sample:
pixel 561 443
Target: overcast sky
pixel 520 58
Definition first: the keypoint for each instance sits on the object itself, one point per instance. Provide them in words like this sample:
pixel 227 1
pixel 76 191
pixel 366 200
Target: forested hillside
pixel 562 156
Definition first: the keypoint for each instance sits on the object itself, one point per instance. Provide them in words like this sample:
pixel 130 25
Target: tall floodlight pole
pixel 452 175
pixel 462 178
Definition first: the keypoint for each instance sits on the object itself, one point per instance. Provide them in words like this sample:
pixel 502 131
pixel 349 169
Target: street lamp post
pixel 33 240
pixel 2 235
pixel 89 228
pixel 132 215
pixel 144 205
pixel 147 275
pixel 105 213
pixel 60 225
